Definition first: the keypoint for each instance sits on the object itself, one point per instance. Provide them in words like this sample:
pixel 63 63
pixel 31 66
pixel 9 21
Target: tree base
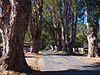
pixel 17 69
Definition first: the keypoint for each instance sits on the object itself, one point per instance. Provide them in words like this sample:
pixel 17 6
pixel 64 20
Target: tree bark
pixel 60 27
pixel 74 27
pixel 66 27
pixel 92 35
pixel 92 43
pixel 35 27
pixel 15 24
pixel 59 41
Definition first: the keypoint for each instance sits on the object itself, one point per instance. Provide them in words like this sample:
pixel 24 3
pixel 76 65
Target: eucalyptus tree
pixel 74 11
pixel 35 26
pixel 60 26
pixel 66 19
pixel 92 9
pixel 54 10
pixel 14 16
pixel 70 23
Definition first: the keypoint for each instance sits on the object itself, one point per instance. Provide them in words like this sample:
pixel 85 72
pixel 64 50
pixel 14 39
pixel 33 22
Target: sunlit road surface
pixel 60 63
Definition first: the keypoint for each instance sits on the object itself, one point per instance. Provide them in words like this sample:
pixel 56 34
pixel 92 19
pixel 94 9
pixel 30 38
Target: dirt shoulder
pixel 32 60
pixel 89 60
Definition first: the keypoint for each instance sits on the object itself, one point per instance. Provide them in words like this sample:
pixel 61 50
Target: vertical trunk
pixel 14 31
pixel 92 42
pixel 96 30
pixel 74 25
pixel 55 32
pixel 36 27
pixel 4 43
pixel 96 23
pixel 4 20
pixel 59 45
pixel 66 27
pixel 60 24
pixel 89 36
pixel 92 36
pixel 34 31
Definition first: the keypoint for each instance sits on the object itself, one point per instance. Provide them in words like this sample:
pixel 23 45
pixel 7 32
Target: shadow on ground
pixel 30 57
pixel 68 72
pixel 95 66
pixel 62 72
pixel 95 71
pixel 57 54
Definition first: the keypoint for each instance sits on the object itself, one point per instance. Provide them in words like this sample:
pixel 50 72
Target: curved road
pixel 54 64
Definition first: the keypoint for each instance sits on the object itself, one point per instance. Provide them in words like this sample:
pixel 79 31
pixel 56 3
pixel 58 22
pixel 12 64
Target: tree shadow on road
pixel 54 54
pixel 95 71
pixel 61 72
pixel 68 72
pixel 72 72
pixel 95 66
pixel 64 54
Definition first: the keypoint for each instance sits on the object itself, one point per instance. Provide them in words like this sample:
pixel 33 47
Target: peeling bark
pixel 35 27
pixel 15 24
pixel 92 43
pixel 92 30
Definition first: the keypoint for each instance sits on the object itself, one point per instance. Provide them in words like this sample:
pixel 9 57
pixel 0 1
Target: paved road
pixel 53 64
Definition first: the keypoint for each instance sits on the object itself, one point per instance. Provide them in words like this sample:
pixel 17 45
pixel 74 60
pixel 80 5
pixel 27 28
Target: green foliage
pixel 28 35
pixel 50 8
pixel 81 36
pixel 81 40
pixel 51 12
pixel 46 39
pixel 99 37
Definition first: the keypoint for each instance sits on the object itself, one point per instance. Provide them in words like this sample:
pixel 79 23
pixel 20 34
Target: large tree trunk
pixel 92 43
pixel 92 36
pixel 4 20
pixel 96 24
pixel 15 25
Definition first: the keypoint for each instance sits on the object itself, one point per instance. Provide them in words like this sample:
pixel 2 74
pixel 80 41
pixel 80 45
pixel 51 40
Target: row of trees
pixel 50 21
pixel 64 16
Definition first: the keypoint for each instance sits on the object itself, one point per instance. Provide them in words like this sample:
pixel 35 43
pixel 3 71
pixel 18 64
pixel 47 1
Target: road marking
pixel 67 63
pixel 82 60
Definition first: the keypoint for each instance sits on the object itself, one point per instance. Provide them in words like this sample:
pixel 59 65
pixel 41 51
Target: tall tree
pixel 35 27
pixel 66 26
pixel 55 20
pixel 96 22
pixel 92 27
pixel 74 21
pixel 70 23
pixel 14 22
pixel 59 25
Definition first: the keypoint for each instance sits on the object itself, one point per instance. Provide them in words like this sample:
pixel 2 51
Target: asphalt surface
pixel 55 64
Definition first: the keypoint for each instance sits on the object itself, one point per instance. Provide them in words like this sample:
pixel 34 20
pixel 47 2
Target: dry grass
pixel 11 73
pixel 90 60
pixel 32 61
